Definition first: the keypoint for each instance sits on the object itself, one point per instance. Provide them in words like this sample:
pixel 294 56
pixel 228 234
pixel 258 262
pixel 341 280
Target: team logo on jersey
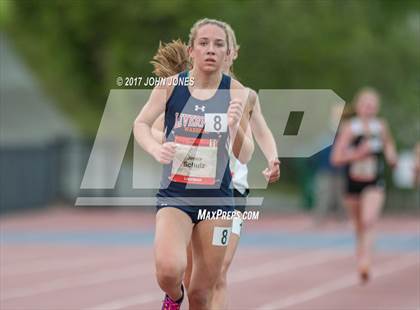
pixel 189 120
pixel 200 108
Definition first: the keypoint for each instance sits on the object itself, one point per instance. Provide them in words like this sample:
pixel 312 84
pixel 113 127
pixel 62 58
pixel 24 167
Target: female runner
pixel 167 62
pixel 196 163
pixel 360 146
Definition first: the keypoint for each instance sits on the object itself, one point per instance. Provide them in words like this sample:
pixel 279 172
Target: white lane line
pixel 346 281
pixel 19 258
pixel 54 265
pixel 286 264
pixel 99 277
pixel 129 301
pixel 272 267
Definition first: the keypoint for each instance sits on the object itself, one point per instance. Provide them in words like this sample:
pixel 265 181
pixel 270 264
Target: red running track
pixel 41 276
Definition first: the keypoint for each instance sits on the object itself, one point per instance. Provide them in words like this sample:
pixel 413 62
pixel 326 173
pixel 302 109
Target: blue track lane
pixel 279 240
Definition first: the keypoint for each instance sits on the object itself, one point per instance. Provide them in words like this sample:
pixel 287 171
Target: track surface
pixel 69 258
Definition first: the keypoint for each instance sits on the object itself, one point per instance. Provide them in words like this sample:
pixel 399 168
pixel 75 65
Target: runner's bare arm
pixel 158 129
pixel 262 133
pixel 154 107
pixel 242 143
pixel 341 153
pixel 389 145
pixel 265 140
pixel 246 149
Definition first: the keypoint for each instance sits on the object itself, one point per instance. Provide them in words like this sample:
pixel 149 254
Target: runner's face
pixel 210 49
pixel 367 105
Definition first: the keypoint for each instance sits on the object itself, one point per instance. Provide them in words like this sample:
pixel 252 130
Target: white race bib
pixel 221 236
pixel 364 170
pixel 195 161
pixel 237 225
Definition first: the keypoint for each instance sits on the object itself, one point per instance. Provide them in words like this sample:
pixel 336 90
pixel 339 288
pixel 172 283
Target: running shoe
pixel 169 304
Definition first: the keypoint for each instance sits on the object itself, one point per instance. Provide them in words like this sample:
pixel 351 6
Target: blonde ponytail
pixel 170 59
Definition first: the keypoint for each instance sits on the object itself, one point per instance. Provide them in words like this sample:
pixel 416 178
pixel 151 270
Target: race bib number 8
pixel 221 236
pixel 215 122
